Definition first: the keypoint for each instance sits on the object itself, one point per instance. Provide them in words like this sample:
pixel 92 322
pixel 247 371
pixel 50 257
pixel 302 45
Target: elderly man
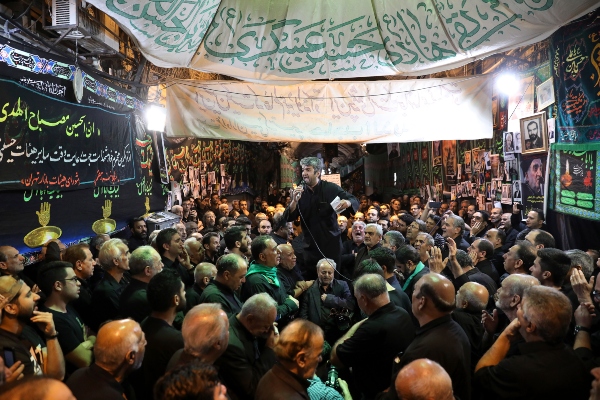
pixel 262 278
pixel 282 230
pixel 453 228
pixel 289 274
pixel 325 294
pixel 31 355
pixel 298 353
pixel 144 263
pixel 343 224
pixel 312 200
pixel 481 252
pixel 432 302
pixel 195 251
pixel 423 244
pixel 369 346
pixel 203 275
pixel 60 285
pixel 545 367
pixel 205 332
pixel 424 379
pixel 508 298
pixel 393 240
pixel 497 238
pixel 119 350
pixel 114 259
pixel 409 263
pixel 471 299
pixel 231 273
pixel 249 355
pixel 373 235
pixel 351 247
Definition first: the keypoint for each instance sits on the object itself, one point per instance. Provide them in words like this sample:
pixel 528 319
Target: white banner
pixel 290 40
pixel 413 110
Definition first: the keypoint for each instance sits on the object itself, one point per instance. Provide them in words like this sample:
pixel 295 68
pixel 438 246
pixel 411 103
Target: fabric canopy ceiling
pixel 333 112
pixel 285 40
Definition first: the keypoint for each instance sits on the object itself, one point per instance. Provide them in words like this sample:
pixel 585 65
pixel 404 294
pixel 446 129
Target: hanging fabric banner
pixel 53 144
pixel 266 40
pixel 332 112
pixel 574 175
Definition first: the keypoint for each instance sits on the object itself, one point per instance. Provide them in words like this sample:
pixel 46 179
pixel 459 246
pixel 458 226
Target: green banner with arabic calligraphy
pixel 575 52
pixel 53 144
pixel 574 178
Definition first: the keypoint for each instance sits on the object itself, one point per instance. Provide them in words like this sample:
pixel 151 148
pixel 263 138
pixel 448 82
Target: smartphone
pixel 435 204
pixel 9 357
pixel 519 206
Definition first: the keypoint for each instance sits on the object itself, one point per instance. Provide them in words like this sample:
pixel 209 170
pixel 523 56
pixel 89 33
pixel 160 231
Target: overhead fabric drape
pixel 286 40
pixel 332 112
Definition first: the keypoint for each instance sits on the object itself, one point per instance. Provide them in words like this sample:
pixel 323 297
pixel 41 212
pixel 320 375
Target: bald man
pixel 424 379
pixel 471 299
pixel 289 274
pixel 432 303
pixel 36 387
pixel 119 350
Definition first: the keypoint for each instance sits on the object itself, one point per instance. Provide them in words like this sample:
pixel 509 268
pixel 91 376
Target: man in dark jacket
pixel 324 295
pixel 312 202
pixel 249 354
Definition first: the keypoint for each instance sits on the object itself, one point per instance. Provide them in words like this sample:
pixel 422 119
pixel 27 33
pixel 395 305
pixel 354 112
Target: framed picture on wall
pixel 534 134
pixel 545 94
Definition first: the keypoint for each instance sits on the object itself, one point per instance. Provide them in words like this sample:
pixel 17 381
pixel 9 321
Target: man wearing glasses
pixel 61 286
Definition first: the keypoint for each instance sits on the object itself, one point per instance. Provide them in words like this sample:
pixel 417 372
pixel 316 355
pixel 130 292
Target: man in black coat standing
pixel 312 201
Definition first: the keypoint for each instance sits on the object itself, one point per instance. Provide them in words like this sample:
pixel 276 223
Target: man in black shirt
pixel 139 233
pixel 114 259
pixel 471 299
pixel 80 256
pixel 231 273
pixel 203 275
pixel 166 296
pixel 118 351
pixel 312 201
pixel 481 252
pixel 289 274
pixel 144 263
pixel 249 354
pixel 170 247
pixel 432 302
pixel 369 347
pixel 28 348
pixel 61 286
pixel 544 368
pixel 282 230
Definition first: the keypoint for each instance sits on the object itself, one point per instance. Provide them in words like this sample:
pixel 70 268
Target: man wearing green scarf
pixel 262 278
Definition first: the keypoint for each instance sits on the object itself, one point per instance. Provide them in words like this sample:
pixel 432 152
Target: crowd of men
pixel 416 303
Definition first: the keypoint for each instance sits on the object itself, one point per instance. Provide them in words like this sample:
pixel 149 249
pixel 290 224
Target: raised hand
pixel 582 288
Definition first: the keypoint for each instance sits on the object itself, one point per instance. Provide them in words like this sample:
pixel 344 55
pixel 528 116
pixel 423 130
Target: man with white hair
pixel 325 294
pixel 252 336
pixel 144 263
pixel 373 235
pixel 119 350
pixel 114 260
pixel 424 379
pixel 205 332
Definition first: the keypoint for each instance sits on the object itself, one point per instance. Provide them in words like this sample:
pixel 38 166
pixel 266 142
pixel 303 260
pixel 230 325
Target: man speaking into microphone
pixel 312 201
